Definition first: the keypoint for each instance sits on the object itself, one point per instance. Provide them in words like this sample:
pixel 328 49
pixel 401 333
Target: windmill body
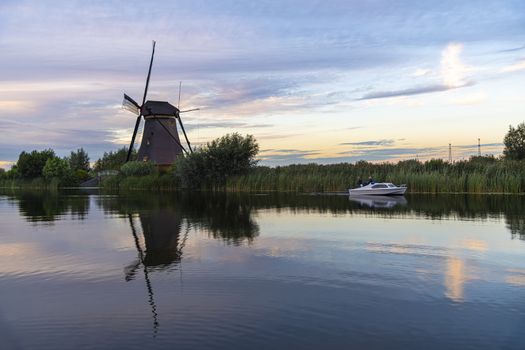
pixel 160 138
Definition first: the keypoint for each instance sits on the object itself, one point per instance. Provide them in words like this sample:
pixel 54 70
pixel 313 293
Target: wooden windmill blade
pixel 137 123
pixel 130 105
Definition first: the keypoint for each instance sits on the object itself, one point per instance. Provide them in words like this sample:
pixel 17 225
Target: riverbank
pixel 477 175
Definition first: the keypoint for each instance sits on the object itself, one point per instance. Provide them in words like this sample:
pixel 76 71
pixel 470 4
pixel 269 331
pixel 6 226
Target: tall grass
pixel 477 175
pixel 37 183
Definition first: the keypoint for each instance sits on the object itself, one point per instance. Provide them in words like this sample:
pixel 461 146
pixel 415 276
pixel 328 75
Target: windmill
pixel 160 139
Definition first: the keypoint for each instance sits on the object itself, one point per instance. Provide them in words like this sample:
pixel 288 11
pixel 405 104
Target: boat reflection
pixel 229 217
pixel 379 201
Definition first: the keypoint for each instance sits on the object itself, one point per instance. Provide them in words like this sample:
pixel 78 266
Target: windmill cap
pixel 159 108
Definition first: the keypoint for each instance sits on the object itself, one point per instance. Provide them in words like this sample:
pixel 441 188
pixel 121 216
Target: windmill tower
pixel 160 139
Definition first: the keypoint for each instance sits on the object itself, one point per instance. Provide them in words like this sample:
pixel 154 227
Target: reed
pixel 477 175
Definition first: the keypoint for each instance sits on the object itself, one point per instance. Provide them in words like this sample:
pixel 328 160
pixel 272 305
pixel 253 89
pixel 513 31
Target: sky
pixel 313 81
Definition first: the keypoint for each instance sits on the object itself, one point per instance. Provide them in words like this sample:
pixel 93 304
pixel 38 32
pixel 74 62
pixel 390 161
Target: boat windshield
pixel 380 186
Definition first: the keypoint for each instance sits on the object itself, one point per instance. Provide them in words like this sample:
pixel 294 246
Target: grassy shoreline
pixel 481 175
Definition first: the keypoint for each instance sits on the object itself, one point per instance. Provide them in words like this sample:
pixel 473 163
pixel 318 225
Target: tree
pixel 56 168
pixel 112 160
pixel 12 173
pixel 515 143
pixel 79 160
pixel 227 156
pixel 30 165
pixel 2 174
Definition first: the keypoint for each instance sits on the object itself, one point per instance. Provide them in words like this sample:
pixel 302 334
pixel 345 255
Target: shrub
pixel 81 175
pixel 138 168
pixel 230 155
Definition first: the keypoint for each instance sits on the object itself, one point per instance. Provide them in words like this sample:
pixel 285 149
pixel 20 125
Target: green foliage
pixel 230 155
pixel 192 170
pixel 477 175
pixel 31 165
pixel 138 168
pixel 56 168
pixel 3 174
pixel 81 175
pixel 112 160
pixel 12 173
pixel 79 160
pixel 515 143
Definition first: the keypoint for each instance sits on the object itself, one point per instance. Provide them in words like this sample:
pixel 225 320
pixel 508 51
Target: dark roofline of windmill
pixel 159 108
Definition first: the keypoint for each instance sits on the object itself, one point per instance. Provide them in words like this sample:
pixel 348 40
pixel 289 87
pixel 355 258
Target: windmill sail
pixel 130 105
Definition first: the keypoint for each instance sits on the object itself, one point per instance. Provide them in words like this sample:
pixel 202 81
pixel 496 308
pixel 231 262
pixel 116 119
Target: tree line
pixel 229 155
pixel 230 162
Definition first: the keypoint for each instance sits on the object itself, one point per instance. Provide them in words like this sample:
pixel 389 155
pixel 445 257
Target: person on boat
pixel 359 182
pixel 370 180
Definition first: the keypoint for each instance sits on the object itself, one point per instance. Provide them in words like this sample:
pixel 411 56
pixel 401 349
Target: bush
pixel 138 168
pixel 81 175
pixel 3 174
pixel 230 155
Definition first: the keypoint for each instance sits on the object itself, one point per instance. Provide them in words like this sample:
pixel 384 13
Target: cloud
pixel 514 67
pixel 6 164
pixel 473 99
pixel 410 91
pixel 420 72
pixel 453 76
pixel 384 142
pixel 475 146
pixel 453 70
pixel 224 124
pixel 514 49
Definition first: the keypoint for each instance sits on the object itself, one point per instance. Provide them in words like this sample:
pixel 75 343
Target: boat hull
pixel 361 191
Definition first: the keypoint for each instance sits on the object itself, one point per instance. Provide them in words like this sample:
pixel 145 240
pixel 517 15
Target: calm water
pixel 260 271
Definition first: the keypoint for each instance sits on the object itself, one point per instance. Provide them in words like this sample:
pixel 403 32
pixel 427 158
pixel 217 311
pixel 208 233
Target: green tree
pixel 515 142
pixel 56 168
pixel 2 174
pixel 112 160
pixel 79 160
pixel 30 165
pixel 212 164
pixel 12 173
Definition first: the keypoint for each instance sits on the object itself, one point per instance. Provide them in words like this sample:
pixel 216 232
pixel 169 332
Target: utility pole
pixel 450 153
pixel 479 147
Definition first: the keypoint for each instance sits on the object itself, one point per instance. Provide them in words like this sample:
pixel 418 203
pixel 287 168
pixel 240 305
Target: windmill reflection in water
pixel 161 250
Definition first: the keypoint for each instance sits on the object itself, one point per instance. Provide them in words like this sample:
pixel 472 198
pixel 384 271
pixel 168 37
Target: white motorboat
pixel 378 188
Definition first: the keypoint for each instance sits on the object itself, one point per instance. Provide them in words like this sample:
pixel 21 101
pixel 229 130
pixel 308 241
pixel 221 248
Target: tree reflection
pixel 49 206
pixel 228 217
